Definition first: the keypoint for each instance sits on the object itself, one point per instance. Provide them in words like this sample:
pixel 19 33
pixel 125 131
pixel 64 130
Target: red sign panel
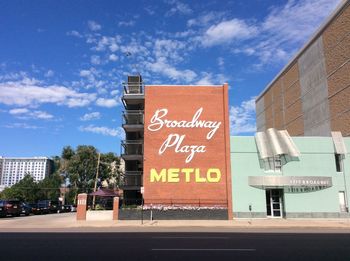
pixel 186 146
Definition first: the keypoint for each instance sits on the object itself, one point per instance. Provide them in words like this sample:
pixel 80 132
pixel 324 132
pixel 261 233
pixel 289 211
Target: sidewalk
pixel 67 222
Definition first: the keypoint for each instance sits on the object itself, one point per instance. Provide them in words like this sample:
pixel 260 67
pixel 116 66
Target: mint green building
pixel 309 180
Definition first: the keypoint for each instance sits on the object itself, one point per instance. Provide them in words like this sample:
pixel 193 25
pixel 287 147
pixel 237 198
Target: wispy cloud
pixel 178 8
pixel 94 26
pixel 208 78
pixel 170 71
pixel 49 73
pixel 228 31
pixel 91 116
pixel 117 132
pixel 74 33
pixel 127 23
pixel 22 126
pixel 24 113
pixel 95 59
pixel 285 29
pixel 242 117
pixel 30 92
pixel 108 103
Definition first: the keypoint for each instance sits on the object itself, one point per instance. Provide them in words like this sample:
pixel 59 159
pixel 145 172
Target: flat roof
pixel 342 5
pixel 184 85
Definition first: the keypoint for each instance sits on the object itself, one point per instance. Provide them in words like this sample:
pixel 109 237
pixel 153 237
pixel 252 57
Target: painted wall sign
pixel 185 144
pixel 290 181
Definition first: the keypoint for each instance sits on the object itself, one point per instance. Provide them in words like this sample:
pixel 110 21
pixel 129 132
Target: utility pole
pixel 96 178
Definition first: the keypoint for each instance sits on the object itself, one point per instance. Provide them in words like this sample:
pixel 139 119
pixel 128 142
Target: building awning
pixel 274 143
pixel 289 181
pixel 339 143
pixel 104 193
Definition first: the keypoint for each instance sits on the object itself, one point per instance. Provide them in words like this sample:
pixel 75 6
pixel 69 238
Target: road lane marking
pixel 190 237
pixel 203 249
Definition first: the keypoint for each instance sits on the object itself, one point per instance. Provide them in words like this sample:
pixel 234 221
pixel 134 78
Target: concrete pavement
pixel 67 222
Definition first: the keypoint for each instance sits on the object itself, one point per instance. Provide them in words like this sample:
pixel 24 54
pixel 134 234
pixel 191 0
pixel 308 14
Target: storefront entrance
pixel 274 203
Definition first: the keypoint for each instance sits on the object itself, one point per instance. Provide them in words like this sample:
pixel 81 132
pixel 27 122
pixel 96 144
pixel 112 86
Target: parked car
pixel 2 209
pixel 66 208
pixel 73 208
pixel 36 210
pixel 49 206
pixel 26 209
pixel 11 207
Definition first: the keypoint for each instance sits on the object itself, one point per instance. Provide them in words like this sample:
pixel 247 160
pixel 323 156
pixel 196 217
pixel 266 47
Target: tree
pixel 81 168
pixel 109 169
pixel 67 153
pixel 25 190
pixel 49 188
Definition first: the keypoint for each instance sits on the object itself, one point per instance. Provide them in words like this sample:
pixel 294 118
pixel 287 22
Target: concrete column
pixel 81 206
pixel 115 208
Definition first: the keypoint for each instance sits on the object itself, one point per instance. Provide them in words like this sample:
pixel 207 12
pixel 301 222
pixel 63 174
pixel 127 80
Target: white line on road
pixel 190 237
pixel 203 249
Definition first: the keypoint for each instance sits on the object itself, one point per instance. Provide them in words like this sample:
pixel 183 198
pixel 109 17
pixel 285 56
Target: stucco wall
pixel 317 159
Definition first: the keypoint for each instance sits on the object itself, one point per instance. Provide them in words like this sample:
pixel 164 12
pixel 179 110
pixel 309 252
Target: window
pixel 338 162
pixel 342 202
pixel 273 164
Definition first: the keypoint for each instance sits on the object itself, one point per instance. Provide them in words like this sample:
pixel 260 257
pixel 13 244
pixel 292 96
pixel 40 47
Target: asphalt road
pixel 173 246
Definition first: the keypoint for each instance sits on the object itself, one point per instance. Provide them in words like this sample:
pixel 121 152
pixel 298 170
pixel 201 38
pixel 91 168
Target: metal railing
pixel 133 88
pixel 133 117
pixel 132 147
pixel 132 180
pixel 196 202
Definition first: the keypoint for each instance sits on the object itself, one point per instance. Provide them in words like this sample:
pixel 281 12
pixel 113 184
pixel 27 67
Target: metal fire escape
pixel 132 147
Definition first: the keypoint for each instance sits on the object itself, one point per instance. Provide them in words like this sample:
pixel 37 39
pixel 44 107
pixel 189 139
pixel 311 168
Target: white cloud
pixel 113 57
pixel 160 66
pixel 93 26
pixel 108 103
pixel 211 79
pixel 85 73
pixel 221 61
pixel 22 126
pixel 242 118
pixel 117 132
pixel 113 47
pixel 115 93
pixel 285 29
pixel 91 116
pixel 178 7
pixel 95 59
pixel 41 115
pixel 18 111
pixel 24 113
pixel 149 10
pixel 126 23
pixel 297 20
pixel 75 33
pixel 169 49
pixel 29 92
pixel 49 73
pixel 204 20
pixel 227 31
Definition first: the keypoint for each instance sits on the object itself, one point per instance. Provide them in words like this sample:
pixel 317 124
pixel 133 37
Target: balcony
pixel 133 120
pixel 133 91
pixel 132 180
pixel 133 150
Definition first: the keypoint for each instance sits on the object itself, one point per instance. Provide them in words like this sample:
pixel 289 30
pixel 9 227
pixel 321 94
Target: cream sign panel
pixel 177 143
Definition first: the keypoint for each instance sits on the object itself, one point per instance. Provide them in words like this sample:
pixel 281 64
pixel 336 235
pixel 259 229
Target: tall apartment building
pixel 311 95
pixel 13 170
pixel 133 124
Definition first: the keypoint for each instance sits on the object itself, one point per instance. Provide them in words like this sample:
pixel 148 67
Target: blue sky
pixel 62 62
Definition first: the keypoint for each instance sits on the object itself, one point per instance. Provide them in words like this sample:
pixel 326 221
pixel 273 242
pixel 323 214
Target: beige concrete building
pixel 311 95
